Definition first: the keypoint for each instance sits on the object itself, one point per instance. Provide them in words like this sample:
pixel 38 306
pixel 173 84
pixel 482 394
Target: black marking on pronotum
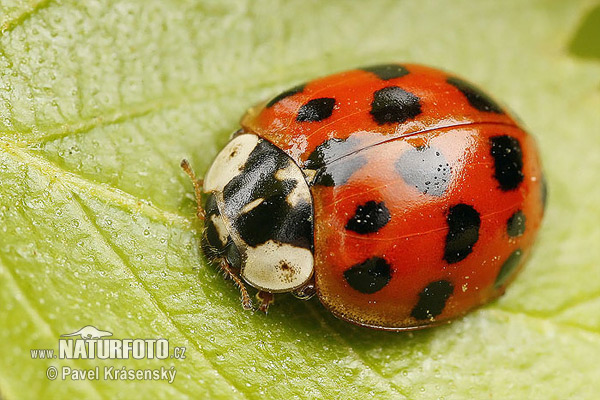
pixel 426 169
pixel 476 98
pixel 283 95
pixel 508 268
pixel 316 110
pixel 393 104
pixel 508 161
pixel 515 226
pixel 432 300
pixel 387 71
pixel 273 218
pixel 463 232
pixel 369 218
pixel 256 178
pixel 369 276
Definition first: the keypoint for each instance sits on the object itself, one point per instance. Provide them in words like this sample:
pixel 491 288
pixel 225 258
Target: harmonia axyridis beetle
pixel 402 195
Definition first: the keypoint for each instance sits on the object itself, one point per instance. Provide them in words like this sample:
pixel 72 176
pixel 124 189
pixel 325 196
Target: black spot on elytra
pixel 432 300
pixel 544 189
pixel 476 98
pixel 463 232
pixel 507 269
pixel 508 161
pixel 515 226
pixel 369 276
pixel 369 217
pixel 283 95
pixel 329 151
pixel 274 218
pixel 316 110
pixel 426 169
pixel 323 160
pixel 387 71
pixel 338 173
pixel 394 105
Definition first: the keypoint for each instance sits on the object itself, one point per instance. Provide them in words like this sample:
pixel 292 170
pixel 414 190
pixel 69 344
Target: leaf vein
pixel 554 322
pixel 15 19
pixel 34 311
pixel 168 101
pixel 127 265
pixel 99 190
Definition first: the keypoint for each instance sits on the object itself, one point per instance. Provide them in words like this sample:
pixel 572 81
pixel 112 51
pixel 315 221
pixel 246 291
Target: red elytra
pixel 427 195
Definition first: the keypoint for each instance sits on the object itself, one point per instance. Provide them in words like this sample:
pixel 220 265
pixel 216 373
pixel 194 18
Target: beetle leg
pixel 229 272
pixel 197 187
pixel 266 298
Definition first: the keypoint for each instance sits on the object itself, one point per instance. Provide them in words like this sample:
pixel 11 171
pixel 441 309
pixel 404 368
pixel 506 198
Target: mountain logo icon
pixel 89 332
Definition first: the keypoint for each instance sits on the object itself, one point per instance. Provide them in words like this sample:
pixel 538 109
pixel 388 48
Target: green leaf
pixel 100 100
pixel 585 43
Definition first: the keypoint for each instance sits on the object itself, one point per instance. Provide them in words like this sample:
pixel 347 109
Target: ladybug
pixel 401 195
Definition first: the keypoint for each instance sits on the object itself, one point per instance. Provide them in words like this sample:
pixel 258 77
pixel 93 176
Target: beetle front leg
pixel 266 299
pixel 197 187
pixel 229 272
